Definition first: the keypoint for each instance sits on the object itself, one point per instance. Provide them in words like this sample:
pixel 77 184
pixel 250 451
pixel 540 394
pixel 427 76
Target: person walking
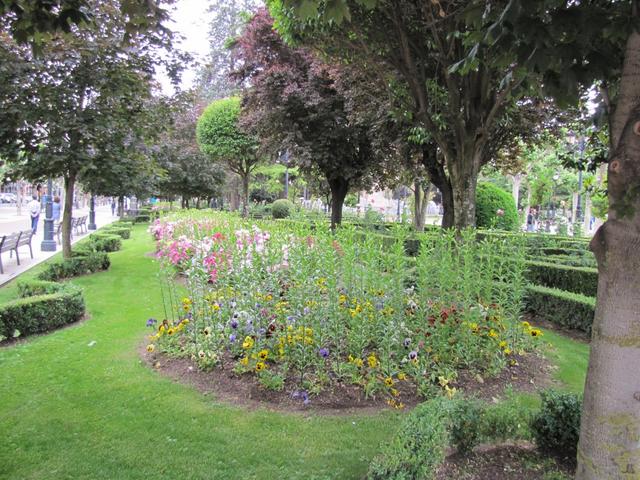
pixel 531 220
pixel 55 209
pixel 34 211
pixel 113 207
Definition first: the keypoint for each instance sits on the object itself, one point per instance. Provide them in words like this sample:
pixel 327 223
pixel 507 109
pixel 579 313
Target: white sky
pixel 191 20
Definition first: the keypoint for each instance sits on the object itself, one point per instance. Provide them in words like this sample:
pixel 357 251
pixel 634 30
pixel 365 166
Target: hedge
pixel 566 309
pixel 41 313
pixel 142 219
pixel 489 200
pixel 122 232
pixel 83 261
pixel 570 260
pixel 282 208
pixel 582 280
pixel 106 242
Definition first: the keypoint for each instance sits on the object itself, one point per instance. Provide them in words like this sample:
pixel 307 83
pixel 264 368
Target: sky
pixel 191 20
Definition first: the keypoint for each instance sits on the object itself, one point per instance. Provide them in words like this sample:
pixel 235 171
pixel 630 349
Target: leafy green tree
pixel 220 137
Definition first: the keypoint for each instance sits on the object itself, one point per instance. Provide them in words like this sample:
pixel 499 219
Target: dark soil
pixel 507 462
pixel 529 374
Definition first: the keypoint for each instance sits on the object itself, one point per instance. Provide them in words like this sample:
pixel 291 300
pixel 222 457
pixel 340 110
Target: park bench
pixel 8 243
pixel 24 239
pixel 74 225
pixel 81 224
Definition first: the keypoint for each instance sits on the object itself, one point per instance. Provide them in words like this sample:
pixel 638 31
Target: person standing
pixel 34 211
pixel 113 207
pixel 531 220
pixel 55 209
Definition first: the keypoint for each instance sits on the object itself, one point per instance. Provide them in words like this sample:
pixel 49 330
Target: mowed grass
pixel 69 410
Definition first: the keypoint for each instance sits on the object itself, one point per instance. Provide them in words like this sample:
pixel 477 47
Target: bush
pixel 32 288
pixel 569 310
pixel 581 280
pixel 490 200
pixel 142 219
pixel 466 425
pixel 41 313
pixel 556 427
pixel 106 242
pixel 418 448
pixel 281 208
pixel 122 232
pixel 82 262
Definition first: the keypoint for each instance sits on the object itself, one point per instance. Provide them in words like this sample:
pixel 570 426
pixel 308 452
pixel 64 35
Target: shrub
pixel 32 288
pixel 41 313
pixel 142 219
pixel 581 280
pixel 83 261
pixel 570 310
pixel 122 232
pixel 106 242
pixel 281 208
pixel 418 448
pixel 556 426
pixel 466 425
pixel 490 201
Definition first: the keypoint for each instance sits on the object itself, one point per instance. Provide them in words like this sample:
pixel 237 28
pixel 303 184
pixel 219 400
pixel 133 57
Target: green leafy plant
pixel 282 208
pixel 495 208
pixel 567 309
pixel 556 426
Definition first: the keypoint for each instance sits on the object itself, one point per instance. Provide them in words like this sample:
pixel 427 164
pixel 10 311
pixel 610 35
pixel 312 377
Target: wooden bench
pixel 9 243
pixel 82 224
pixel 24 239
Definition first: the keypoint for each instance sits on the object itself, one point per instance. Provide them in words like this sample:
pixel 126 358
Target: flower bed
pixel 307 310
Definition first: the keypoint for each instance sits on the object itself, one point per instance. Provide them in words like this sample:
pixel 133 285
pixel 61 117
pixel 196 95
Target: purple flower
pixel 413 355
pixel 301 394
pixel 262 331
pixel 407 342
pixel 232 337
pixel 324 352
pixel 151 322
pixel 306 310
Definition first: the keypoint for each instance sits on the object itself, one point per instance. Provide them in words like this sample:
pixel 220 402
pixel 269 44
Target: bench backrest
pixel 74 221
pixel 10 241
pixel 25 237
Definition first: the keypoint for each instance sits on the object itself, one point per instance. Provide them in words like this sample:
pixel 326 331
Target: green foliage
pixel 122 232
pixel 142 219
pixel 582 280
pixel 51 307
pixel 570 310
pixel 466 425
pixel 495 208
pixel 32 288
pixel 84 261
pixel 106 242
pixel 556 427
pixel 282 208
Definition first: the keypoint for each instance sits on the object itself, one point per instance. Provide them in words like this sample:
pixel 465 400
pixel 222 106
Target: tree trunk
pixel 439 178
pixel 69 185
pixel 121 206
pixel 339 188
pixel 245 194
pixel 463 186
pixel 515 187
pixel 420 206
pixel 609 446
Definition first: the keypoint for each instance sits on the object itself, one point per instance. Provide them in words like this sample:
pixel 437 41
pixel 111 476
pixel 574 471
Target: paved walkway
pixel 10 222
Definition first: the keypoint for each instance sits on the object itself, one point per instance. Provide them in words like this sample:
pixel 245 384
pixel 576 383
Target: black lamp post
pixel 580 142
pixel 48 243
pixel 92 213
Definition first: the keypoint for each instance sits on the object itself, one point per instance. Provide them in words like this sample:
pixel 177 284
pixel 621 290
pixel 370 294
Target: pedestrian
pixel 531 220
pixel 55 209
pixel 113 207
pixel 34 211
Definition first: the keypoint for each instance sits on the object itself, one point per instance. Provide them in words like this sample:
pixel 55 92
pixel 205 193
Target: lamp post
pixel 555 177
pixel 92 213
pixel 48 243
pixel 580 142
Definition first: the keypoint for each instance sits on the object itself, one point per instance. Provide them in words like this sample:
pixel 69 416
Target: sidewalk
pixel 10 222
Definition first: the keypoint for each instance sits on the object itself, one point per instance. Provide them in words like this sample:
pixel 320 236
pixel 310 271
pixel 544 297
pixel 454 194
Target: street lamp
pixel 580 142
pixel 284 159
pixel 48 243
pixel 92 213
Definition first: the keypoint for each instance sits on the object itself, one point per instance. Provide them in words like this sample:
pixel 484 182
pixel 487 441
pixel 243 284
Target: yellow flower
pixel 244 361
pixel 503 344
pixel 507 351
pixel 394 392
pixel 308 331
pixel 201 354
pixel 372 361
pixel 399 405
pixel 281 351
pixel 263 354
pixel 358 362
pixel 388 382
pixel 493 333
pixel 207 332
pixel 535 332
pixel 526 324
pixel 402 376
pixel 185 321
pixel 151 347
pixel 215 307
pixel 171 331
pixel 450 391
pixel 248 343
pixel 308 340
pixel 260 366
pixel 473 327
pixel 268 297
pixel 161 329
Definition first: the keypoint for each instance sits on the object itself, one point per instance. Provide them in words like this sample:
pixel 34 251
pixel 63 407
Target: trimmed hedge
pixel 569 310
pixel 122 232
pixel 83 261
pixel 142 219
pixel 282 208
pixel 106 242
pixel 490 199
pixel 41 313
pixel 570 260
pixel 582 280
pixel 556 426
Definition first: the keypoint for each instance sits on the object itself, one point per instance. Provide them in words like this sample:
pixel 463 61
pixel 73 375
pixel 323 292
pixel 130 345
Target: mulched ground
pixel 507 462
pixel 531 372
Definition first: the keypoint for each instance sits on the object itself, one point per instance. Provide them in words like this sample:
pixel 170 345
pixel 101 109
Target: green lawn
pixel 73 411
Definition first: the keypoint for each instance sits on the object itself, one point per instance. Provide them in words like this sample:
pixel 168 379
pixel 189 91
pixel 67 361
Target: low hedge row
pixel 44 306
pixel 582 280
pixel 123 232
pixel 82 262
pixel 569 310
pixel 106 242
pixel 569 260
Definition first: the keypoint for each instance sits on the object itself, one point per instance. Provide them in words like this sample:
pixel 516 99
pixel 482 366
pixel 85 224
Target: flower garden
pixel 302 310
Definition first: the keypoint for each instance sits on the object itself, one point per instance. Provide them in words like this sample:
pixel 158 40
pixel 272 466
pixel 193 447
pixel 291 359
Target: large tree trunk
pixel 464 179
pixel 515 187
pixel 439 178
pixel 339 188
pixel 69 185
pixel 609 446
pixel 420 205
